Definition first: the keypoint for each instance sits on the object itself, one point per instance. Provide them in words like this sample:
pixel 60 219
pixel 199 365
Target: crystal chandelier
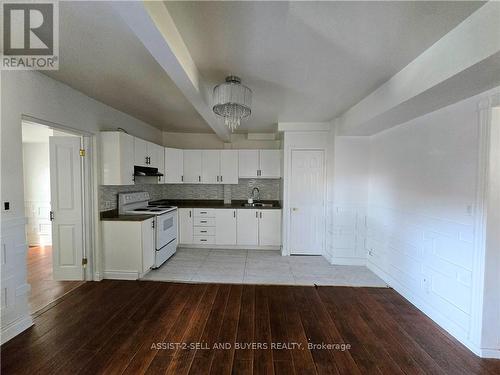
pixel 232 101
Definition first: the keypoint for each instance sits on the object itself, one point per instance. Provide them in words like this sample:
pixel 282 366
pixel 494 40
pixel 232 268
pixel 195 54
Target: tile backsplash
pixel 270 189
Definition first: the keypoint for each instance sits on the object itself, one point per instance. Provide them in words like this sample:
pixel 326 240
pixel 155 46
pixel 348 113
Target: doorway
pixel 307 202
pixel 54 207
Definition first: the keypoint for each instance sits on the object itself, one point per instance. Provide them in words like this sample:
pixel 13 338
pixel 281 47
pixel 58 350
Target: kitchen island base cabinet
pixel 128 248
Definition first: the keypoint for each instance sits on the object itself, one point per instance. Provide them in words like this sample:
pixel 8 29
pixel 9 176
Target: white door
pixel 173 165
pixel 66 204
pixel 140 152
pixel 192 166
pixel 247 227
pixel 225 227
pixel 229 166
pixel 270 163
pixel 185 225
pixel 248 163
pixel 270 227
pixel 307 202
pixel 210 166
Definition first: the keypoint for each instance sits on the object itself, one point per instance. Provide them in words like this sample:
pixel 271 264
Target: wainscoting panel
pixel 14 293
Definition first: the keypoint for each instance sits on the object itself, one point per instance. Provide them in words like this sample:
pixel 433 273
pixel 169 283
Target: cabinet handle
pixel 199 178
pixel 234 214
pixel 256 214
pixel 220 178
pixel 203 212
pixel 261 214
pixel 153 224
pixel 217 178
pixel 182 178
pixel 189 213
pixel 203 240
pixel 203 231
pixel 203 221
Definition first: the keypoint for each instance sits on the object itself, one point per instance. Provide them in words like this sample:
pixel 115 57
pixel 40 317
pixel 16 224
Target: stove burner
pixel 141 209
pixel 154 210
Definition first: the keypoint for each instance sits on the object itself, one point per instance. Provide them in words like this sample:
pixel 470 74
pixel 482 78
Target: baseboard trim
pixel 490 353
pixel 15 328
pixel 448 325
pixel 121 275
pixel 228 247
pixel 347 261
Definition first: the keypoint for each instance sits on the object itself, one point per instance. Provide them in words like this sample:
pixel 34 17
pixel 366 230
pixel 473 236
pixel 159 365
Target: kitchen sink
pixel 257 204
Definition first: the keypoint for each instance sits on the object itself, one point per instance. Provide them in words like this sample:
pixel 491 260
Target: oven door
pixel 166 228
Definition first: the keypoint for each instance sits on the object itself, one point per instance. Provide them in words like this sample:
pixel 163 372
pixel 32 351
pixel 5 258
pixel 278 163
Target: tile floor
pixel 259 267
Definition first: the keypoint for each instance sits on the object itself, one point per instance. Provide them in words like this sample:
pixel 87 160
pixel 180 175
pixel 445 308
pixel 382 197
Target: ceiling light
pixel 232 102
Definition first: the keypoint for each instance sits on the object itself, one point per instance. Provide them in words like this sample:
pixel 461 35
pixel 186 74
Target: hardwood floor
pixel 128 327
pixel 44 289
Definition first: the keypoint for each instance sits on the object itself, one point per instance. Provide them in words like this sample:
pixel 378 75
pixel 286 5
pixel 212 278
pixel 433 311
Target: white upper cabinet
pixel 270 163
pixel 192 166
pixel 229 166
pixel 117 157
pixel 148 154
pixel 248 163
pixel 210 166
pixel 156 156
pixel 260 163
pixel 140 152
pixel 174 162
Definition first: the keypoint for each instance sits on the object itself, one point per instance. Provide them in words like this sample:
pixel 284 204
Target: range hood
pixel 146 171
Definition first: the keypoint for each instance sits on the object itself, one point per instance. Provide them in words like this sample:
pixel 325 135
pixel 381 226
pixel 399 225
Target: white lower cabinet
pixel 247 232
pixel 225 227
pixel 185 221
pixel 128 248
pixel 250 228
pixel 269 227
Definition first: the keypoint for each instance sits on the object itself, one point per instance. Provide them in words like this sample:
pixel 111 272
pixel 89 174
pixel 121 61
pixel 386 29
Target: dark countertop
pixel 214 203
pixel 112 215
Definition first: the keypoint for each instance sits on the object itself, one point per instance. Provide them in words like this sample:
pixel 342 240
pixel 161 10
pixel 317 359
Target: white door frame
pixel 309 141
pixel 89 193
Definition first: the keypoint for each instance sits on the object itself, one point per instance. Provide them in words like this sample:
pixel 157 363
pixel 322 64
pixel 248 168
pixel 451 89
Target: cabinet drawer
pixel 204 231
pixel 204 212
pixel 210 240
pixel 204 222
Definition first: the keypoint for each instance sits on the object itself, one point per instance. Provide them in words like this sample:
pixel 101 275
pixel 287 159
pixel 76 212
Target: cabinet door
pixel 247 224
pixel 192 166
pixel 140 152
pixel 117 158
pixel 148 244
pixel 229 166
pixel 270 163
pixel 185 225
pixel 156 155
pixel 225 227
pixel 270 228
pixel 248 163
pixel 173 165
pixel 210 166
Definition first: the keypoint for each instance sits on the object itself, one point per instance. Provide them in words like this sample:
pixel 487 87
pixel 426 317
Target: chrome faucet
pixel 256 196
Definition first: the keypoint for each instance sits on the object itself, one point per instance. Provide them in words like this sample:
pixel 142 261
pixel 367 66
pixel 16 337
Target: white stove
pixel 136 203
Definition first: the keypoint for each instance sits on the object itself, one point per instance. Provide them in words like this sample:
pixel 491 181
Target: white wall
pixel 421 213
pixel 34 94
pixel 211 141
pixel 348 208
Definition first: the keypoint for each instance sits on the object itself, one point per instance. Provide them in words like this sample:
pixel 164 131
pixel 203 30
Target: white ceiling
pixel 101 57
pixel 310 61
pixel 304 61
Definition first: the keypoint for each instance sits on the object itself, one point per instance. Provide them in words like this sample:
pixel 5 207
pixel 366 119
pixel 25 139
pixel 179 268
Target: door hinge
pixel 82 152
pixel 51 215
pixel 84 261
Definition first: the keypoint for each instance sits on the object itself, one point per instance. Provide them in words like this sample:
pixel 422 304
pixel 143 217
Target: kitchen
pixel 314 173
